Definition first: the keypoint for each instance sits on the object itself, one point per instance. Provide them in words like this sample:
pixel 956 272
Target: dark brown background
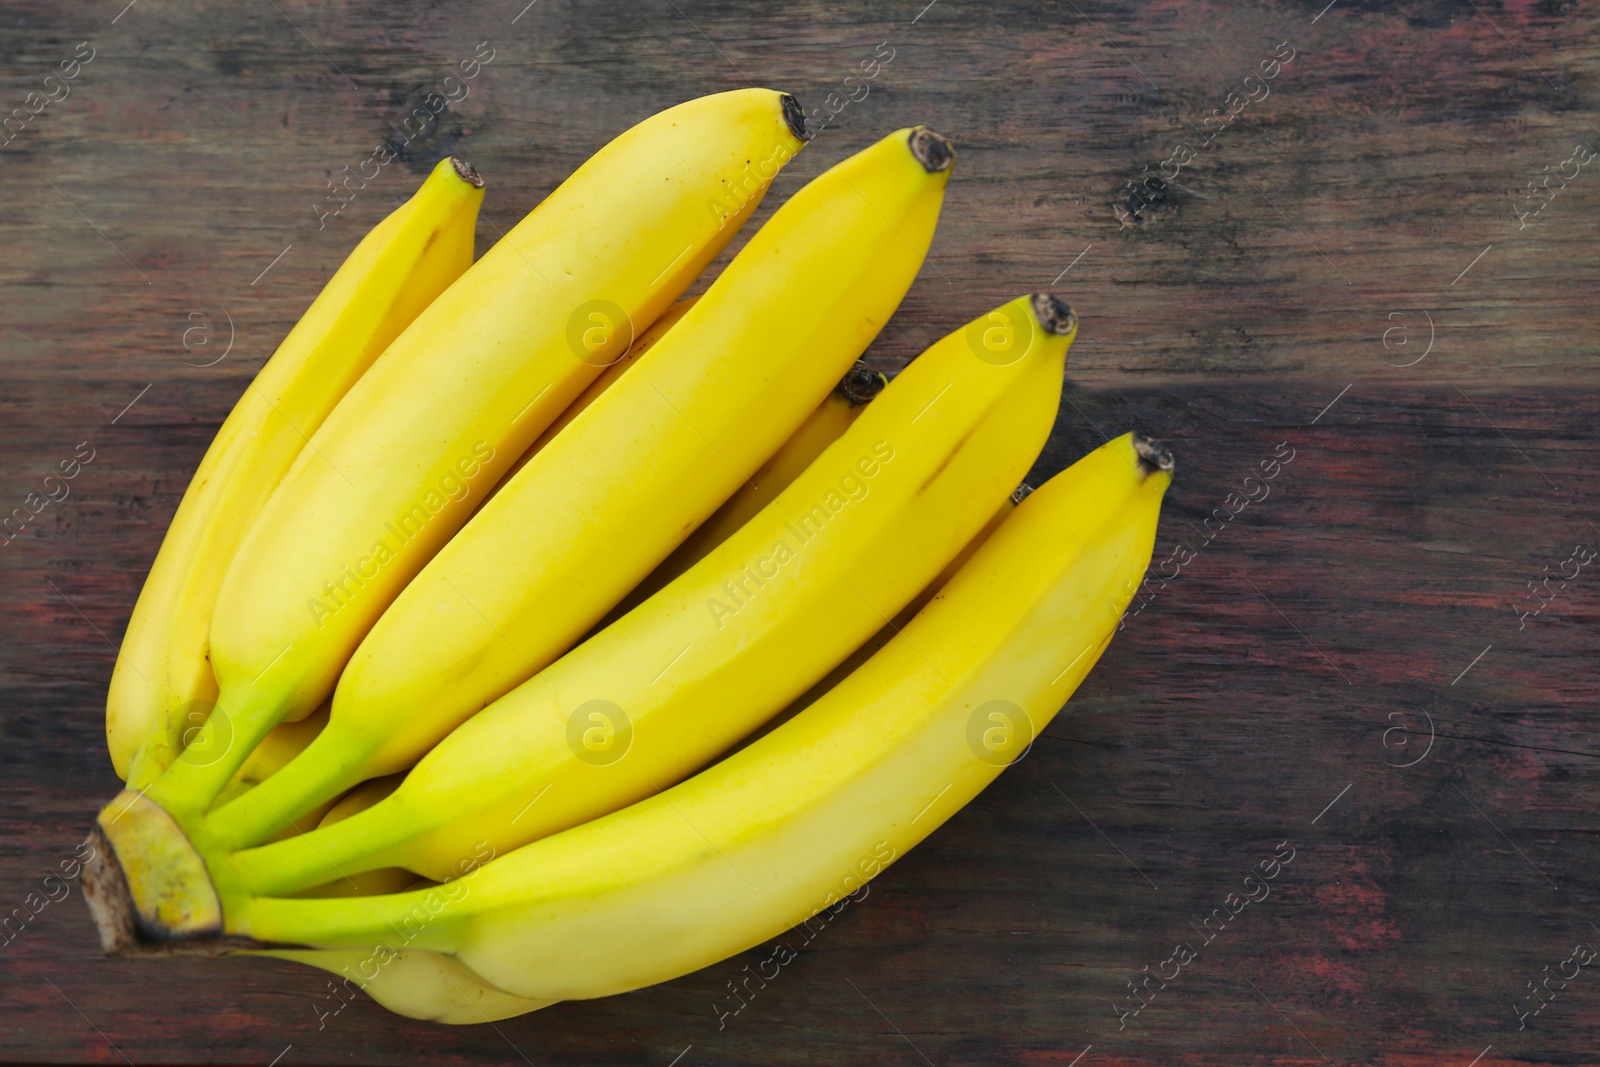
pixel 1250 694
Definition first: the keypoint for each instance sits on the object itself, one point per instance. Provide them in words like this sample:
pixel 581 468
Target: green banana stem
pixel 234 729
pixel 327 768
pixel 417 919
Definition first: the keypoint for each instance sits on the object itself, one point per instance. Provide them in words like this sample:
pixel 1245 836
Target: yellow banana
pixel 611 495
pixel 768 837
pixel 613 371
pixel 361 798
pixel 821 429
pixel 403 460
pixel 920 601
pixel 162 686
pixel 735 638
pixel 411 982
pixel 894 626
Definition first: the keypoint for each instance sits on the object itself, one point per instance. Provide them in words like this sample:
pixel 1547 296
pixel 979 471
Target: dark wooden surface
pixel 1272 693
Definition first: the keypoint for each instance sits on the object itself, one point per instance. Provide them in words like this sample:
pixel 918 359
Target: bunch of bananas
pixel 527 636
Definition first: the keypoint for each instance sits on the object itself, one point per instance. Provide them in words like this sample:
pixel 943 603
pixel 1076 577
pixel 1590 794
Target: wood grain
pixel 1340 273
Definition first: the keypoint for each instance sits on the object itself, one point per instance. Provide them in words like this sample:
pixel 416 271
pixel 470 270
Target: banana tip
pixel 1054 314
pixel 1021 493
pixel 860 384
pixel 794 116
pixel 467 172
pixel 934 151
pixel 1153 455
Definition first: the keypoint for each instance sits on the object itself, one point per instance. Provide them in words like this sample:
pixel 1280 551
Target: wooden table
pixel 1344 673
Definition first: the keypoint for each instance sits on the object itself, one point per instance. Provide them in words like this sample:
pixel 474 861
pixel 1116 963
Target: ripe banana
pixel 821 429
pixel 895 625
pixel 162 686
pixel 613 371
pixel 412 982
pixel 403 460
pixel 611 495
pixel 768 837
pixel 735 638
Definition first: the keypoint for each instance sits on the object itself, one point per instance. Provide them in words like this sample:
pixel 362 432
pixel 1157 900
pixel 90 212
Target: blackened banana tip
pixel 1021 493
pixel 1054 314
pixel 1153 455
pixel 934 151
pixel 794 116
pixel 860 384
pixel 467 172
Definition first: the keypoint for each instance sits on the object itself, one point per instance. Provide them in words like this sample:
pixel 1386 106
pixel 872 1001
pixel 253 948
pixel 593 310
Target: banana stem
pixel 188 787
pixel 331 764
pixel 409 920
pixel 338 850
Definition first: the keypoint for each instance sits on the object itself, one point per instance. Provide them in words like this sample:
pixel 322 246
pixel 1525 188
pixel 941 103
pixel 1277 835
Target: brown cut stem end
pixel 147 888
pixel 794 117
pixel 116 919
pixel 1054 314
pixel 1153 455
pixel 934 151
pixel 105 890
pixel 467 172
pixel 860 384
